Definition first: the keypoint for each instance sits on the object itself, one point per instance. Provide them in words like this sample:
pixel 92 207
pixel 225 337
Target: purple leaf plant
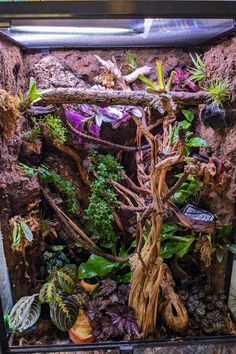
pixel 89 118
pixel 182 80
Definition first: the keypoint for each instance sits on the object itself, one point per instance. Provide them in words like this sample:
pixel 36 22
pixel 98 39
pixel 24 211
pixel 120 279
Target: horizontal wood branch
pixel 106 98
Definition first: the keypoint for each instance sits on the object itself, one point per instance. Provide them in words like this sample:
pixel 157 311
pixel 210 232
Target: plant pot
pixel 89 284
pixel 81 332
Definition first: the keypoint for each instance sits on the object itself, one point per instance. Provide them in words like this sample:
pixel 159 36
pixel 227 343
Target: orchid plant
pixel 90 117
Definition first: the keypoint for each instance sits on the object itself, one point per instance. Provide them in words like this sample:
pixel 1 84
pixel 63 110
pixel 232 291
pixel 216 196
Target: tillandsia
pixel 197 72
pixel 89 118
pixel 33 95
pixel 218 91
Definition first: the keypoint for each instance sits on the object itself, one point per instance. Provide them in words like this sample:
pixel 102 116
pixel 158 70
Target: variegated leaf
pixel 64 313
pixel 31 317
pixel 48 292
pixel 20 311
pixel 66 277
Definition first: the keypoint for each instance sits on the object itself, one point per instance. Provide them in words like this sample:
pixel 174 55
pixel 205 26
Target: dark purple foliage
pixel 182 80
pixel 89 118
pixel 109 313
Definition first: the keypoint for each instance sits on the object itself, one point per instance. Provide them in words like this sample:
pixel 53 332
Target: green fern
pixel 198 70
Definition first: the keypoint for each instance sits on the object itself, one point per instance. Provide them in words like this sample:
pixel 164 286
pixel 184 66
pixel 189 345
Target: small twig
pixel 131 208
pixel 134 186
pixel 119 187
pixel 177 185
pixel 105 142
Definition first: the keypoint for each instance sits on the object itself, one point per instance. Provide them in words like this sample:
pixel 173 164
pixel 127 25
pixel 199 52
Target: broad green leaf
pixel 169 228
pixel 19 311
pixel 183 247
pixel 31 317
pixel 27 231
pixel 126 278
pixel 64 313
pixel 96 266
pixel 196 142
pixel 16 235
pixel 48 292
pixel 224 232
pixel 185 124
pixel 230 247
pixel 167 249
pixel 188 115
pixel 66 280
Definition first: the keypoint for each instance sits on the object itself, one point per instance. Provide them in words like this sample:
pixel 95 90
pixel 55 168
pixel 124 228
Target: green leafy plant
pixel 174 241
pixel 132 61
pixel 33 95
pixel 160 86
pixel 33 134
pixel 190 191
pixel 190 142
pixel 96 266
pixel 198 70
pixel 220 241
pixel 103 199
pixel 48 176
pixel 24 314
pixel 20 229
pixel 56 128
pixel 218 91
pixel 66 187
pixel 63 295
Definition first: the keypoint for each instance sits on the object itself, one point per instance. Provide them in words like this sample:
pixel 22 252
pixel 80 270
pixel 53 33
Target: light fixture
pixel 71 30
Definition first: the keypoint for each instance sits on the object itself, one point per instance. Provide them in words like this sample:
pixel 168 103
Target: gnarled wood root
pixel 172 310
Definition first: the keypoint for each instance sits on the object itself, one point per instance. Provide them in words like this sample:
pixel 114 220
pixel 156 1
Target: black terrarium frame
pixel 118 9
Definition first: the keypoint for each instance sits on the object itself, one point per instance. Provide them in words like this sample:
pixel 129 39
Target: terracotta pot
pixel 81 332
pixel 89 284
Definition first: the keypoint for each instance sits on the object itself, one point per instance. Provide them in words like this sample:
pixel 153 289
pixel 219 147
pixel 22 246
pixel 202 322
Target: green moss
pixel 103 199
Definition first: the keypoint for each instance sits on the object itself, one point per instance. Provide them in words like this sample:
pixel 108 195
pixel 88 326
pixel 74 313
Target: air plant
pixel 182 80
pixel 89 118
pixel 132 61
pixel 198 70
pixel 161 86
pixel 218 91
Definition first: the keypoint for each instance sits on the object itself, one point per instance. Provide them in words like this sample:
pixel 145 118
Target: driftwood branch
pixel 107 98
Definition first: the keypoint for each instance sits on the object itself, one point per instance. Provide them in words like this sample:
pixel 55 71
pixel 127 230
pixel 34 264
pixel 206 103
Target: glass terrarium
pixel 117 176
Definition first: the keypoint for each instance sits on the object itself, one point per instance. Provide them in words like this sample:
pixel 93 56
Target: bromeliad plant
pixel 33 95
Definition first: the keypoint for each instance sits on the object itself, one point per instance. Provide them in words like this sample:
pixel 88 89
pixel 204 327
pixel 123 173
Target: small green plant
pixel 132 61
pixel 175 241
pixel 61 292
pixel 20 229
pixel 33 95
pixel 160 86
pixel 103 199
pixel 56 128
pixel 218 91
pixel 33 134
pixel 190 191
pixel 198 70
pixel 66 187
pixel 48 176
pixel 190 142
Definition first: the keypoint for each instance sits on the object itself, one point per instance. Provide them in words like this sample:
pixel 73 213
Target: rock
pixel 214 116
